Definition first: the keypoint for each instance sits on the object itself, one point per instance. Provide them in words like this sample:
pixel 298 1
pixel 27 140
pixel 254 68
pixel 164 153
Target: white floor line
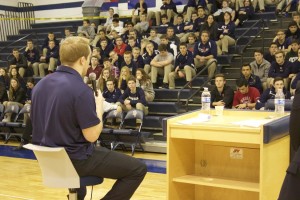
pixel 5 195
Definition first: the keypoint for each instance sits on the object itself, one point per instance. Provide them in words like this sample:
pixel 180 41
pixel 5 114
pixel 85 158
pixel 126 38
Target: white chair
pixel 59 172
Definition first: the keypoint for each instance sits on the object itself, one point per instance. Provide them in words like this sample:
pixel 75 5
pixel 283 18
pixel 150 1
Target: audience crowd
pixel 127 58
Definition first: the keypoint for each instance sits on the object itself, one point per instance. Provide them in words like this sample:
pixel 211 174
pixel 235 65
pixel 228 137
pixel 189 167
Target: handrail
pixel 34 34
pixel 236 41
pixel 197 75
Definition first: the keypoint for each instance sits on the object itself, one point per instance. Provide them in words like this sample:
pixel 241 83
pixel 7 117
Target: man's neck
pixel 259 61
pixel 220 89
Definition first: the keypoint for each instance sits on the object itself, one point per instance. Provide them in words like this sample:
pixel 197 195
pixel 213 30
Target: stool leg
pixel 72 194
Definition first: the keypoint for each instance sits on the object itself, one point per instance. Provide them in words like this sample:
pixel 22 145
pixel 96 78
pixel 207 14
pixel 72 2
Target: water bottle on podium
pixel 279 103
pixel 205 100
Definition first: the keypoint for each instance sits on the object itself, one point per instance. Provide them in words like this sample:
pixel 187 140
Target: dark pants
pixel 291 184
pixel 294 131
pixel 128 171
pixel 27 131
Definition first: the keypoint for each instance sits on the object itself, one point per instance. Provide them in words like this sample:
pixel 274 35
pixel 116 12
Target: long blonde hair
pixel 127 76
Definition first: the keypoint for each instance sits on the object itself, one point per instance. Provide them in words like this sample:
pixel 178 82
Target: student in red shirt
pixel 245 97
pixel 120 46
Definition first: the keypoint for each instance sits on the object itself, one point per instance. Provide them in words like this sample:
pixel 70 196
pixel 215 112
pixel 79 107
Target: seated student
pixel 15 74
pixel 191 42
pixel 115 72
pixel 226 34
pixel 4 77
pixel 292 55
pixel 190 27
pixel 115 22
pixel 143 81
pixel 211 26
pixel 137 58
pixel 221 94
pixel 111 95
pixel 87 29
pixel 179 26
pixel 18 61
pixel 50 60
pixel 184 66
pixel 116 59
pixel 131 44
pixel 245 97
pixel 104 49
pixel 104 76
pixel 201 16
pixel 205 53
pixel 280 68
pixel 128 27
pixel 32 55
pixel 244 13
pixel 68 33
pixel 94 68
pixel 260 67
pixel 148 56
pixel 129 62
pixel 164 21
pixel 253 80
pixel 162 64
pixel 270 93
pixel 282 42
pixel 16 96
pixel 154 37
pixel 143 25
pixel 30 85
pixel 133 97
pixel 219 14
pixel 293 31
pixel 120 46
pixel 99 37
pixel 142 8
pixel 123 79
pixel 173 39
pixel 51 37
pixel 165 40
pixel 296 18
pixel 270 56
pixel 115 27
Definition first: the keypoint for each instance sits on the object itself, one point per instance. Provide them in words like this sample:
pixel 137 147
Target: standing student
pixel 73 121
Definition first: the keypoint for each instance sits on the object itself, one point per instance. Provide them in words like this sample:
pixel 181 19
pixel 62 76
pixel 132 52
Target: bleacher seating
pixel 165 103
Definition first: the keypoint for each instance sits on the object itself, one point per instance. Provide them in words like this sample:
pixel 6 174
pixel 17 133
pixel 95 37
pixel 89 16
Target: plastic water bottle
pixel 205 100
pixel 279 103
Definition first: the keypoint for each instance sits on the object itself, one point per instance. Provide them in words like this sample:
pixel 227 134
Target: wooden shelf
pixel 218 182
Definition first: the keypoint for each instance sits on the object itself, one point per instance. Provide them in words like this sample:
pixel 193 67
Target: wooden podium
pixel 219 160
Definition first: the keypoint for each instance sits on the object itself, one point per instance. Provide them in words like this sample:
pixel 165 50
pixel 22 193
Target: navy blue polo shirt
pixel 62 105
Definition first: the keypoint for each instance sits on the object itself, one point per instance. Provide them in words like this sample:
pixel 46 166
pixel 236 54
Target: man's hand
pixel 241 106
pixel 219 103
pixel 99 104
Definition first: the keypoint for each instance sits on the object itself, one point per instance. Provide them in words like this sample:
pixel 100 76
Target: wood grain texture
pixel 21 179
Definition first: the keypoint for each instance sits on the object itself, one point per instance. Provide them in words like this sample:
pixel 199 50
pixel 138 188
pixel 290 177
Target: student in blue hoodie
pixel 205 52
pixel 133 97
pixel 271 92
